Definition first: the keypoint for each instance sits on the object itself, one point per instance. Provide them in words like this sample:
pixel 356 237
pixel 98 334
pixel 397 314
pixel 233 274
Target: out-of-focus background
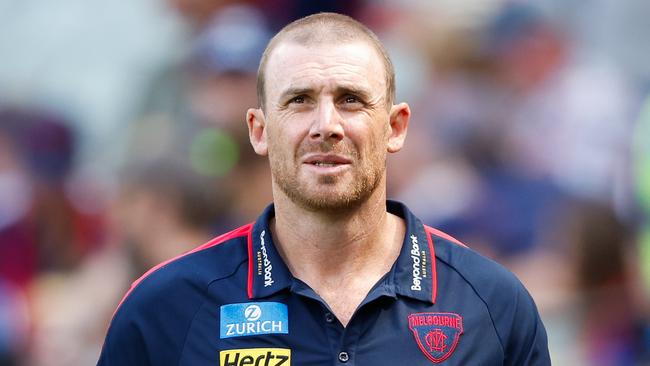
pixel 123 143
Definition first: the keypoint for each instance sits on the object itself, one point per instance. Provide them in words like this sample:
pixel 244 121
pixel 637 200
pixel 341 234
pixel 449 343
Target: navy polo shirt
pixel 233 302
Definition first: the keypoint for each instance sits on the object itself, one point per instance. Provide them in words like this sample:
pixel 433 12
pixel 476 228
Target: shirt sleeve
pixel 150 324
pixel 124 344
pixel 527 344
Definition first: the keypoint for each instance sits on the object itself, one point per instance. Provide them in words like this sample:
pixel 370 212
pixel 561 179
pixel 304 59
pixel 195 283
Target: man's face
pixel 327 123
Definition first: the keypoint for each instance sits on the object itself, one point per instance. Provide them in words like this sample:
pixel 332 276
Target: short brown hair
pixel 326 27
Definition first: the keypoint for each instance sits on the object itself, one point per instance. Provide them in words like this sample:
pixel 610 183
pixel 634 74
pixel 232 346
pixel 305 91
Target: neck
pixel 323 248
pixel 340 255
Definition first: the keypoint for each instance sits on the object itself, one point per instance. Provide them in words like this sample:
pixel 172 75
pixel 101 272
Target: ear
pixel 257 130
pixel 400 114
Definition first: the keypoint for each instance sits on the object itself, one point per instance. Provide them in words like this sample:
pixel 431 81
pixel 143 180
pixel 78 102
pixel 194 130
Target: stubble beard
pixel 365 180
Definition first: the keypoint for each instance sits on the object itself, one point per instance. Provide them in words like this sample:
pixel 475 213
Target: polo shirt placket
pixel 343 341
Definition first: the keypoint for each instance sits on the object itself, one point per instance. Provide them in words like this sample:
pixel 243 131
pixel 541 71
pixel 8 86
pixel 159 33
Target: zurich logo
pixel 248 319
pixel 252 313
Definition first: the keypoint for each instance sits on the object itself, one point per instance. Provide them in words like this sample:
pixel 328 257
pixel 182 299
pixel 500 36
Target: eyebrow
pixel 344 90
pixel 340 90
pixel 291 92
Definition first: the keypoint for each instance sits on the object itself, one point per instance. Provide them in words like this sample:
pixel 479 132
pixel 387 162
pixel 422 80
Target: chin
pixel 324 204
pixel 328 193
pixel 328 199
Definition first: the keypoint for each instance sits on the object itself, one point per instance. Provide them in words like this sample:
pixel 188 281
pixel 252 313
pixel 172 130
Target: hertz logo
pixel 255 357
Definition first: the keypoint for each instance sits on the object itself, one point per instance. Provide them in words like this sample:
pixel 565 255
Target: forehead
pixel 292 65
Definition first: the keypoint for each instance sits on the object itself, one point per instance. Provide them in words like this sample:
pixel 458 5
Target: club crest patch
pixel 436 334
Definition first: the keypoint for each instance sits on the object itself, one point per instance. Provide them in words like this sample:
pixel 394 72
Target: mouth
pixel 327 160
pixel 325 164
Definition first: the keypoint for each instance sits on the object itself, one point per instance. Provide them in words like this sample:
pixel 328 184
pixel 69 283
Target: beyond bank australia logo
pixel 247 319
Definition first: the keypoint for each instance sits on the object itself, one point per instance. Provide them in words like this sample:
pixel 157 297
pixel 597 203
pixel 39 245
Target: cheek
pixel 281 143
pixel 288 132
pixel 370 141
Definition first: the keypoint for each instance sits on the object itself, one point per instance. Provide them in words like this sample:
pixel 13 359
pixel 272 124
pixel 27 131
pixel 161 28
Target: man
pixel 331 273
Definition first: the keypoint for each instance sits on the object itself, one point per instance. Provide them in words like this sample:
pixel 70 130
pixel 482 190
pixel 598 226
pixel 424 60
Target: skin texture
pixel 311 100
pixel 324 103
pixel 322 29
pixel 327 131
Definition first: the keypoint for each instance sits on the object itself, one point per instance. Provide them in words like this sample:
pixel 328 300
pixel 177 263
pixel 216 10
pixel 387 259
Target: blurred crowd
pixel 530 142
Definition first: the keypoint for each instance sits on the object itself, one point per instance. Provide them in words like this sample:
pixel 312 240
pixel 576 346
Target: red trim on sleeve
pixel 434 279
pixel 239 232
pixel 434 275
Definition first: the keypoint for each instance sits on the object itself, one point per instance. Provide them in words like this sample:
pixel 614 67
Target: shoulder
pixel 511 308
pixel 153 317
pixel 216 259
pixel 213 260
pixel 490 280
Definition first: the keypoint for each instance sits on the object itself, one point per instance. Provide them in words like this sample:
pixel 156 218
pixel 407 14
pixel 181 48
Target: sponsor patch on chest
pixel 255 357
pixel 419 262
pixel 253 318
pixel 264 266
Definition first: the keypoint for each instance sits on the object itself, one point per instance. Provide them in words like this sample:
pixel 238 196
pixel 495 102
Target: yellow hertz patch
pixel 255 357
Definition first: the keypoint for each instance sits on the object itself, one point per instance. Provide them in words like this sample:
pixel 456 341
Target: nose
pixel 327 125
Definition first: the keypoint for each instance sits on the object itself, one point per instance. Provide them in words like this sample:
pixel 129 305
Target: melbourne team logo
pixel 436 334
pixel 253 318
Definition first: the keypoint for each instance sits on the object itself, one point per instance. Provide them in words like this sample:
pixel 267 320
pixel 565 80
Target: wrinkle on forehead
pixel 351 65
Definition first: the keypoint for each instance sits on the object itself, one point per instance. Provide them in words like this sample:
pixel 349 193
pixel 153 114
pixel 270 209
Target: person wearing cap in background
pixel 192 111
pixel 331 272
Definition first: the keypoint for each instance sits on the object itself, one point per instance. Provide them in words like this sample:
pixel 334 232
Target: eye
pixel 351 102
pixel 351 99
pixel 300 99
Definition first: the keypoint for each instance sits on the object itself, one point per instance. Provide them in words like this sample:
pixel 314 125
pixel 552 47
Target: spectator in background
pixel 18 249
pixel 197 13
pixel 481 77
pixel 223 79
pixel 42 231
pixel 613 326
pixel 163 209
pixel 14 324
pixel 194 110
pixel 47 225
pixel 533 125
pixel 641 162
